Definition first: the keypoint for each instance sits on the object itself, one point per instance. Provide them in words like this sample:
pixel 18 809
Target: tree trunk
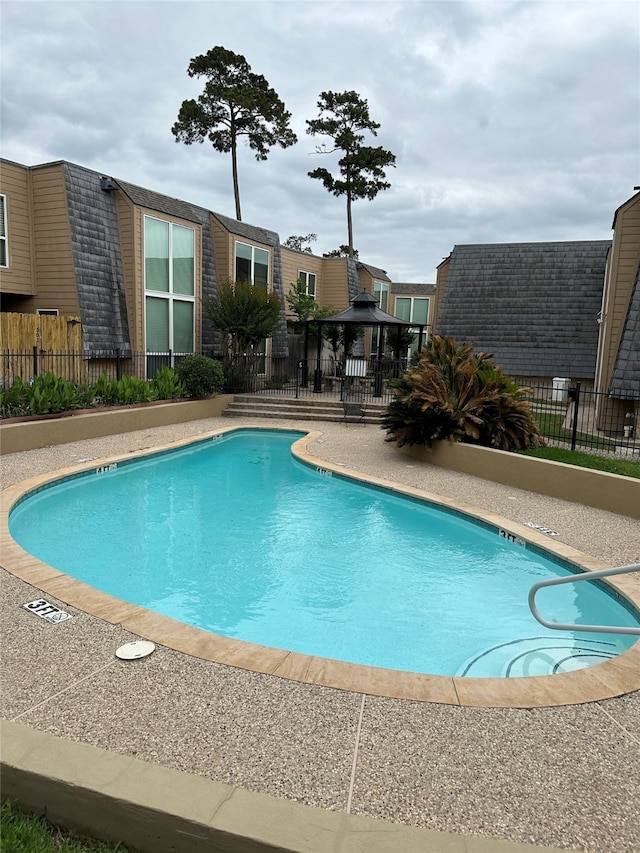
pixel 349 221
pixel 234 170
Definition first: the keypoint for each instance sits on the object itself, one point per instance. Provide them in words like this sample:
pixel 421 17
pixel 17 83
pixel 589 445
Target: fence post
pixel 118 366
pixel 576 409
pixel 35 360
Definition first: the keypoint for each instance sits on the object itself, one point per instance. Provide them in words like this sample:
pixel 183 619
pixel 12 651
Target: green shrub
pixel 105 390
pixel 50 394
pixel 452 394
pixel 167 384
pixel 200 375
pixel 86 396
pixel 123 392
pixel 132 390
pixel 14 401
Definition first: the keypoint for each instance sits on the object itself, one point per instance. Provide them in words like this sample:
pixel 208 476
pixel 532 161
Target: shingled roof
pixel 374 272
pixel 534 306
pixel 415 289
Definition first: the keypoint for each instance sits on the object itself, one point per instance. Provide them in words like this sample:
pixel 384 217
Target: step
pixel 250 405
pixel 302 415
pixel 306 401
pixel 310 414
pixel 537 656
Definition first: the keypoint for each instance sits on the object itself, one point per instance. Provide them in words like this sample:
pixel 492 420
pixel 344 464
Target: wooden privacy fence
pixel 49 334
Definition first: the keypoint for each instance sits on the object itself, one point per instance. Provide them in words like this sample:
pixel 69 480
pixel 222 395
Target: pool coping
pixel 606 680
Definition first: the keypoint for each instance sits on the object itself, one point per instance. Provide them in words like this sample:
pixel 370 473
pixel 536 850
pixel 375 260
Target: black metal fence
pixel 82 367
pixel 579 418
pixel 254 373
pixel 301 377
pixel 568 414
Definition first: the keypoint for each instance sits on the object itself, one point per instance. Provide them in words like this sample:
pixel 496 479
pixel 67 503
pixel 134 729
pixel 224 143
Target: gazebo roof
pixel 364 311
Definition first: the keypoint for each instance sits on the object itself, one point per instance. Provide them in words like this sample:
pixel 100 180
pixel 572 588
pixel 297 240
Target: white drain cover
pixel 137 649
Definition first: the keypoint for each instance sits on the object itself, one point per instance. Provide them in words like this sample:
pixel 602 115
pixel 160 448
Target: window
pixel 309 281
pixel 169 268
pixel 47 312
pixel 4 254
pixel 412 309
pixel 381 293
pixel 252 264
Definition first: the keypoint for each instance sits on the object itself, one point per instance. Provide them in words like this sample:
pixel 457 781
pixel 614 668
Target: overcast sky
pixel 513 121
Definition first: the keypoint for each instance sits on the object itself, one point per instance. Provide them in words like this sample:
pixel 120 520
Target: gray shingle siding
pixel 534 306
pixel 418 289
pixel 374 272
pixel 353 287
pixel 98 265
pixel 625 379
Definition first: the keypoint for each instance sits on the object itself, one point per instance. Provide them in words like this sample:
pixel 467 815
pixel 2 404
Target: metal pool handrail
pixel 583 576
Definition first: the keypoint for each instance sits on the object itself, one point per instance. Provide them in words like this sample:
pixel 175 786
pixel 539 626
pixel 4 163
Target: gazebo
pixel 362 311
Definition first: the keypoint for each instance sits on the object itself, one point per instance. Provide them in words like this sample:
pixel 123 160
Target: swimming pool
pixel 312 571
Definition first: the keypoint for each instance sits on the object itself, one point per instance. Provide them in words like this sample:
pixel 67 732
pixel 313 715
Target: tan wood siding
pixel 126 230
pixel 295 262
pixel 54 266
pixel 441 284
pixel 335 288
pixel 18 276
pixel 222 248
pixel 366 280
pixel 624 260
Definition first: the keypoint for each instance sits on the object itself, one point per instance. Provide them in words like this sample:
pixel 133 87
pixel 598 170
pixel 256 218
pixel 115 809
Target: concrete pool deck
pixel 564 776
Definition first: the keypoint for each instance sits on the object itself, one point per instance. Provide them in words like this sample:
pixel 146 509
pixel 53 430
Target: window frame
pixel 380 289
pixel 252 261
pixel 412 300
pixel 170 295
pixel 307 275
pixel 4 237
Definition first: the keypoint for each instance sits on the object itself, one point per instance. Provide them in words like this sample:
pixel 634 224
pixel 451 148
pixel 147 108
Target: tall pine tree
pixel 235 103
pixel 343 118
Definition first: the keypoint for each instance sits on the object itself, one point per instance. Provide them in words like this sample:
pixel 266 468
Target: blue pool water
pixel 235 536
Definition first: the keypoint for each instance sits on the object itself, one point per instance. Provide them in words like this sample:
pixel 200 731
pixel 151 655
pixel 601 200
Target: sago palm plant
pixel 452 394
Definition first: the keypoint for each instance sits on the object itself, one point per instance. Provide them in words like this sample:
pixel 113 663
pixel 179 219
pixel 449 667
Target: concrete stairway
pixel 302 409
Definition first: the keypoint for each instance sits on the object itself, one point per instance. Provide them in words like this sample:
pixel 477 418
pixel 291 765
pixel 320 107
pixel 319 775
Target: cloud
pixel 509 121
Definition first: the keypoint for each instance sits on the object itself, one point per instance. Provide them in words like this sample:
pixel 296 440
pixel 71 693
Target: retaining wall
pixel 556 479
pixel 76 426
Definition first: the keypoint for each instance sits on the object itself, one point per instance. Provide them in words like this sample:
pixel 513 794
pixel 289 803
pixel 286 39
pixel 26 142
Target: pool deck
pixel 565 776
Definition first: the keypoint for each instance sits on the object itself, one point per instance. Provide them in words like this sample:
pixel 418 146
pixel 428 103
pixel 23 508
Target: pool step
pixel 537 656
pixel 256 406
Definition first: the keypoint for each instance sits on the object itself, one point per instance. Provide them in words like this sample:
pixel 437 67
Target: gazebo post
pixel 305 361
pixel 317 376
pixel 377 385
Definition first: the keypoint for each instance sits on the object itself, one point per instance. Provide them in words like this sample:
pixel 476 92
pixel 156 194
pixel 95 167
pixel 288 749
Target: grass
pixel 625 467
pixel 551 426
pixel 21 832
